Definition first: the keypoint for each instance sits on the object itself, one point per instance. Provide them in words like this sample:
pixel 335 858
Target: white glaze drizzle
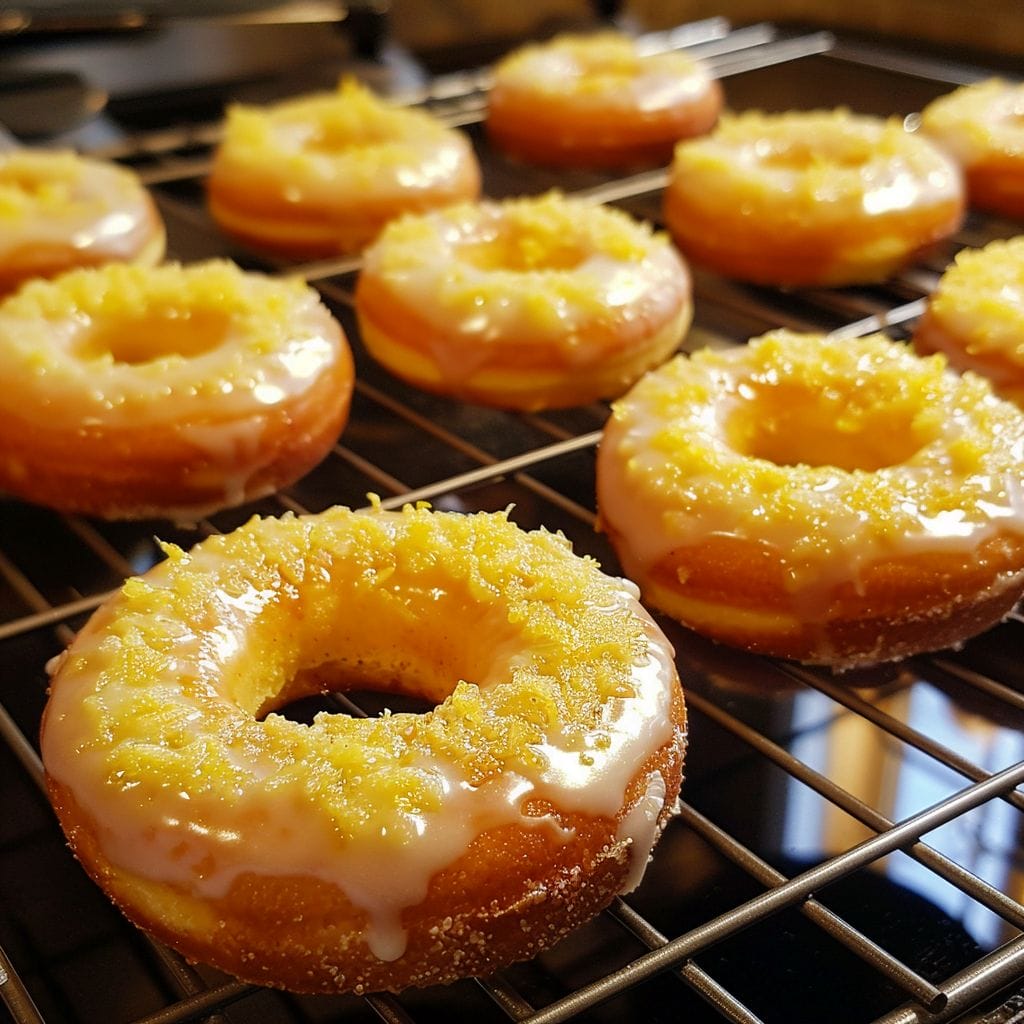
pixel 106 210
pixel 639 829
pixel 848 539
pixel 978 121
pixel 181 838
pixel 879 179
pixel 474 311
pixel 230 380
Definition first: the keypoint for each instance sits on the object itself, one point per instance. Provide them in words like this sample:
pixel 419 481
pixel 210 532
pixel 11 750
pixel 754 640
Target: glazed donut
pixel 59 211
pixel 975 316
pixel 810 198
pixel 526 304
pixel 982 126
pixel 320 176
pixel 598 101
pixel 365 854
pixel 167 391
pixel 835 502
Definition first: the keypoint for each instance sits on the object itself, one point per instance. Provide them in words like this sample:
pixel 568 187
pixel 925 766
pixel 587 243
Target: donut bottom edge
pixel 899 608
pixel 304 935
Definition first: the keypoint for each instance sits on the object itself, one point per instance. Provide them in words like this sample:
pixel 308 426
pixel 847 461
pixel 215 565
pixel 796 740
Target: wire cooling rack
pixel 849 847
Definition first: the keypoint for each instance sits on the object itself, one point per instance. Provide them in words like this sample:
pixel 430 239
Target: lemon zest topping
pixel 983 294
pixel 927 453
pixel 251 612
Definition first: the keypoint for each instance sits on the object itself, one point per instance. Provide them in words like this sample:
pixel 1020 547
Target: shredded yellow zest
pixel 532 249
pixel 824 443
pixel 50 184
pixel 984 116
pixel 983 294
pixel 423 601
pixel 351 125
pixel 33 321
pixel 826 153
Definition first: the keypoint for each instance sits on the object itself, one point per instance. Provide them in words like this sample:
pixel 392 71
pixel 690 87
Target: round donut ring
pixel 598 101
pixel 320 176
pixel 167 391
pixel 975 316
pixel 841 502
pixel 982 126
pixel 365 854
pixel 59 211
pixel 527 304
pixel 810 198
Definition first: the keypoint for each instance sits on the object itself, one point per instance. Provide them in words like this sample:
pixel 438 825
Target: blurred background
pixel 54 53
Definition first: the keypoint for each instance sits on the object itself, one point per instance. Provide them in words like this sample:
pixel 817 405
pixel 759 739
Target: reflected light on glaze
pixel 901 194
pixel 381 873
pixel 951 523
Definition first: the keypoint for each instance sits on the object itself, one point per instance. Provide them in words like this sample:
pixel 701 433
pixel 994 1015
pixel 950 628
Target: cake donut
pixel 982 126
pixel 525 304
pixel 320 175
pixel 365 854
pixel 59 211
pixel 598 101
pixel 167 391
pixel 835 502
pixel 810 198
pixel 975 316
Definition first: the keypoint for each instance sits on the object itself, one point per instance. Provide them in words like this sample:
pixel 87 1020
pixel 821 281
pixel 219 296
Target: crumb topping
pixel 820 157
pixel 551 256
pixel 820 446
pixel 982 294
pixel 191 654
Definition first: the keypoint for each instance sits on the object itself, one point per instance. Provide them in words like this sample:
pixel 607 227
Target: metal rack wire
pixel 849 848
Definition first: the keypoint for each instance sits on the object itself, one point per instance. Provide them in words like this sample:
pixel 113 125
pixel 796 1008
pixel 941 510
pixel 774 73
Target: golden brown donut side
pixel 253 213
pixel 804 253
pixel 933 335
pixel 995 185
pixel 557 135
pixel 428 846
pixel 736 592
pixel 527 909
pixel 760 495
pixel 170 390
pixel 40 259
pixel 123 470
pixel 526 376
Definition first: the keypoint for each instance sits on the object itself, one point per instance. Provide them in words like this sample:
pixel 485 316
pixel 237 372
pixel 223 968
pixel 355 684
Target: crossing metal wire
pixel 849 847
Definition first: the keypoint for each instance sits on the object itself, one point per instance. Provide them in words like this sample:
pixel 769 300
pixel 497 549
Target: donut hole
pixel 611 63
pixel 522 251
pixel 376 686
pixel 801 155
pixel 333 136
pixel 360 702
pixel 352 638
pixel 29 181
pixel 156 334
pixel 790 424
